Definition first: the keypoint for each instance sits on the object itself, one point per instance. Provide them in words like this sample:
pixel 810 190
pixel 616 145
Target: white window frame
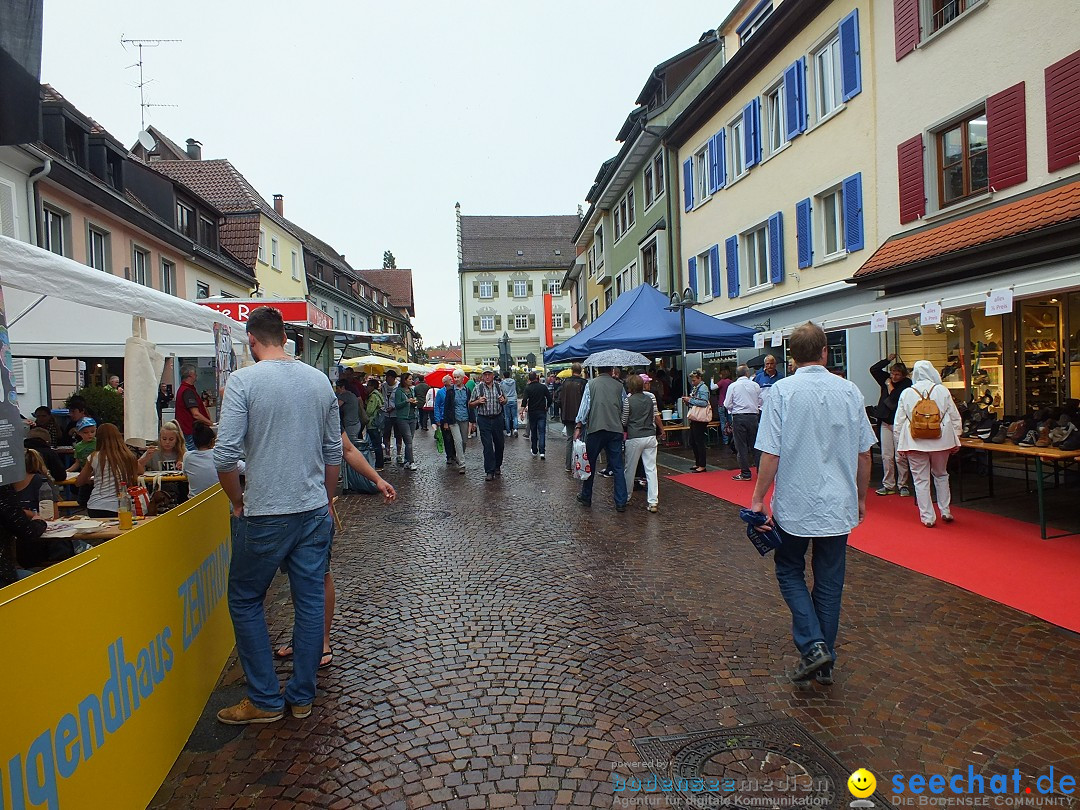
pixel 624 215
pixel 490 290
pixel 626 279
pixel 828 77
pixel 558 320
pixel 168 276
pixel 758 20
pixel 655 169
pixel 202 287
pixel 756 277
pixel 93 231
pixel 52 218
pixel 736 158
pixel 823 220
pixel 139 274
pixel 701 176
pixel 524 288
pixel 275 261
pixel 704 277
pixel 554 286
pixel 776 135
pixel 653 243
pixel 598 247
pixel 594 309
pixel 521 323
pixel 487 323
pixel 262 245
pixel 295 265
pixel 926 12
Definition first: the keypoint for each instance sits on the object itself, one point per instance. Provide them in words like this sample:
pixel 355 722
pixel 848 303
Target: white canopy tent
pixel 56 307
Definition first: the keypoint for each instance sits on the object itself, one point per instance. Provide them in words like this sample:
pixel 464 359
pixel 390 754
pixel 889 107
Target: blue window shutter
pixel 853 213
pixel 688 183
pixel 795 98
pixel 691 273
pixel 776 248
pixel 714 265
pixel 710 153
pixel 731 248
pixel 850 53
pixel 721 153
pixel 803 239
pixel 749 129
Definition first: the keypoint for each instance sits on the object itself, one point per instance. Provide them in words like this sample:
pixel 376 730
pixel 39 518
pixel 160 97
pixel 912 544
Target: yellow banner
pixel 109 660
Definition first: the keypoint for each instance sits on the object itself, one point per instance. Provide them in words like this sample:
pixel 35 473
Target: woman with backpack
pixel 927 428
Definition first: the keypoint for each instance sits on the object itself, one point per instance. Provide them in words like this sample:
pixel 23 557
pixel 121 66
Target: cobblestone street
pixel 498 645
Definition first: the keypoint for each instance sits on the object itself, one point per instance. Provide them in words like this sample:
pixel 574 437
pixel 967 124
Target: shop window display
pixel 987 378
pixel 1040 332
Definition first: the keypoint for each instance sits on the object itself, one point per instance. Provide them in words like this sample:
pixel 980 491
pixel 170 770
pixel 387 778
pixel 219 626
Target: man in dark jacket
pixel 892 381
pixel 573 388
pixel 535 401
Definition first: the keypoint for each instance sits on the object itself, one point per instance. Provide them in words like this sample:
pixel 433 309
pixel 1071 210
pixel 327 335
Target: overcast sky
pixel 373 119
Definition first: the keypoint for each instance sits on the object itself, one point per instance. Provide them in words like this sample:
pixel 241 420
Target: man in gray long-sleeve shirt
pixel 282 417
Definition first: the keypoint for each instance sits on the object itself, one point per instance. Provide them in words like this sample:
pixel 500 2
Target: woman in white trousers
pixel 928 457
pixel 642 421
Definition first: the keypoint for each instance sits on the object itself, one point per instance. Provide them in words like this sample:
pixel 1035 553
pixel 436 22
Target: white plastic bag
pixel 581 467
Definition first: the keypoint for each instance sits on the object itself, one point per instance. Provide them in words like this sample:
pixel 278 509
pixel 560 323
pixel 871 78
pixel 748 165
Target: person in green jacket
pixel 376 421
pixel 404 416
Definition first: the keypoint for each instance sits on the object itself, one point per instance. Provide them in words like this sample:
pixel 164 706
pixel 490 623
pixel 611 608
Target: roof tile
pixel 1015 218
pixel 498 242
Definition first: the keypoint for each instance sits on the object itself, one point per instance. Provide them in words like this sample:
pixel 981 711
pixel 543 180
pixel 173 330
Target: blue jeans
pixel 376 438
pixel 538 431
pixel 724 418
pixel 815 616
pixel 493 440
pixel 510 415
pixel 612 443
pixel 261 544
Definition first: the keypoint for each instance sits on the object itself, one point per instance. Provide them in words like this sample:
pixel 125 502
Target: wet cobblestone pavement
pixel 498 645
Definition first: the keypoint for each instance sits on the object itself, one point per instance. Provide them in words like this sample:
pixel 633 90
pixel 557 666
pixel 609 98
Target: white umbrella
pixel 616 357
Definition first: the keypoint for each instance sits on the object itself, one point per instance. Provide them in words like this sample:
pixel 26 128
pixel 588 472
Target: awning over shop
pixel 57 307
pixel 1056 277
pixel 639 321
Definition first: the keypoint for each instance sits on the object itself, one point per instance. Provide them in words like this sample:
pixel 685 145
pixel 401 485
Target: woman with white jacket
pixel 928 457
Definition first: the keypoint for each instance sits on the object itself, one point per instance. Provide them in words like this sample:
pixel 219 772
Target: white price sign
pixel 777 338
pixel 930 315
pixel 879 321
pixel 759 340
pixel 999 302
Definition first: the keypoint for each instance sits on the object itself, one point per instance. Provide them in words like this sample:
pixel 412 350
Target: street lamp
pixel 680 304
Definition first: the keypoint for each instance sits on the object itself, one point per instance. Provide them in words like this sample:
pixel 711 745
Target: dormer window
pixel 75 143
pixel 114 170
pixel 754 21
pixel 185 219
pixel 208 233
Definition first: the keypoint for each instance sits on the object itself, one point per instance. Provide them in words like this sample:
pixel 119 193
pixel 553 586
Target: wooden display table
pixel 1057 458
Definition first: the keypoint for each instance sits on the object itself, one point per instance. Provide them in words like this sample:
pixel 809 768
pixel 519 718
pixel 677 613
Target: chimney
pixel 194 149
pixel 279 204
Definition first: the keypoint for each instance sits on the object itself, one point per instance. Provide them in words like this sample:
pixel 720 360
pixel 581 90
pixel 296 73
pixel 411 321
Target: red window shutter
pixel 1063 113
pixel 909 163
pixel 905 26
pixel 1006 134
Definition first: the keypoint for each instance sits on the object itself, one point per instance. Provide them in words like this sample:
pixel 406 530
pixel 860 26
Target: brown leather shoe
pixel 246 712
pixel 1044 437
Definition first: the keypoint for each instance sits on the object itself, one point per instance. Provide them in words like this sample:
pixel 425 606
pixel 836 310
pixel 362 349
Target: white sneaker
pixel 541 455
pixel 401 461
pixel 411 466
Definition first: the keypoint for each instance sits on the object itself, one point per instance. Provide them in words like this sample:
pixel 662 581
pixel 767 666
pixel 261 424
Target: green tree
pixel 388 261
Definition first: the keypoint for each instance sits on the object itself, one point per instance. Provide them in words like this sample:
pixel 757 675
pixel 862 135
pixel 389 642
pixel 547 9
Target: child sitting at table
pixel 86 430
pixel 111 464
pixel 168 456
pixel 199 463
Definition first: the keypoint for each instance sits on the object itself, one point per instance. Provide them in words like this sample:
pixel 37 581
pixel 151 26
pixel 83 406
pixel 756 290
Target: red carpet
pixel 996 557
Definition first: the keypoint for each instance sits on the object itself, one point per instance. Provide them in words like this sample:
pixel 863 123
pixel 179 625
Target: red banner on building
pixel 549 339
pixel 293 311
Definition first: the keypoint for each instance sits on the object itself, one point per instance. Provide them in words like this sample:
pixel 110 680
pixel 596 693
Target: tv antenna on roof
pixel 140 44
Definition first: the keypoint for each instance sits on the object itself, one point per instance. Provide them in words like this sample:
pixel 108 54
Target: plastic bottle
pixel 47 509
pixel 125 511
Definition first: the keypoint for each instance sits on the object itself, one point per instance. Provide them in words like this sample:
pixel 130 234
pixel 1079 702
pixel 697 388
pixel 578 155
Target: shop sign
pixel 777 338
pixel 930 314
pixel 759 340
pixel 999 302
pixel 720 356
pixel 879 321
pixel 296 311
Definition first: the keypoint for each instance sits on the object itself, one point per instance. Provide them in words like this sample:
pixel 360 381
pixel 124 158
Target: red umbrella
pixel 435 378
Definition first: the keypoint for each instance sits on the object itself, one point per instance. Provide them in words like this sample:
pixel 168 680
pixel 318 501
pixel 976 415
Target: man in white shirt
pixel 743 402
pixel 815 444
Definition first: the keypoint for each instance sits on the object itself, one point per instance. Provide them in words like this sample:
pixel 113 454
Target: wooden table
pixel 1053 455
pixel 677 428
pixel 108 531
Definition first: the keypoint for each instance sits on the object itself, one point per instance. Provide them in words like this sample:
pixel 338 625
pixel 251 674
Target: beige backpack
pixel 925 422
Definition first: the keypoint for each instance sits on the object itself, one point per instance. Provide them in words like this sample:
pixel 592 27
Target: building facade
pixel 506 265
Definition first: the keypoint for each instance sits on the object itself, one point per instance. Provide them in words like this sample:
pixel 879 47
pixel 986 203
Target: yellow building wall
pixel 281 282
pixel 830 150
pixel 194 273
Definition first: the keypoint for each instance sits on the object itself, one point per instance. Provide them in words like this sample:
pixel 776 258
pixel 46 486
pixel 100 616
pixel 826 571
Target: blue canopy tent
pixel 639 321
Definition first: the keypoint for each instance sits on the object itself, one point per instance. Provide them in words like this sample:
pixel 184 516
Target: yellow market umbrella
pixel 374 364
pixel 566 372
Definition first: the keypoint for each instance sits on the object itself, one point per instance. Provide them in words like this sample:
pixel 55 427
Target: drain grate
pixel 764 765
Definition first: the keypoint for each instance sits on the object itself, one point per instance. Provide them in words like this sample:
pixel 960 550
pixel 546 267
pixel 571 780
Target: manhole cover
pixel 420 516
pixel 764 765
